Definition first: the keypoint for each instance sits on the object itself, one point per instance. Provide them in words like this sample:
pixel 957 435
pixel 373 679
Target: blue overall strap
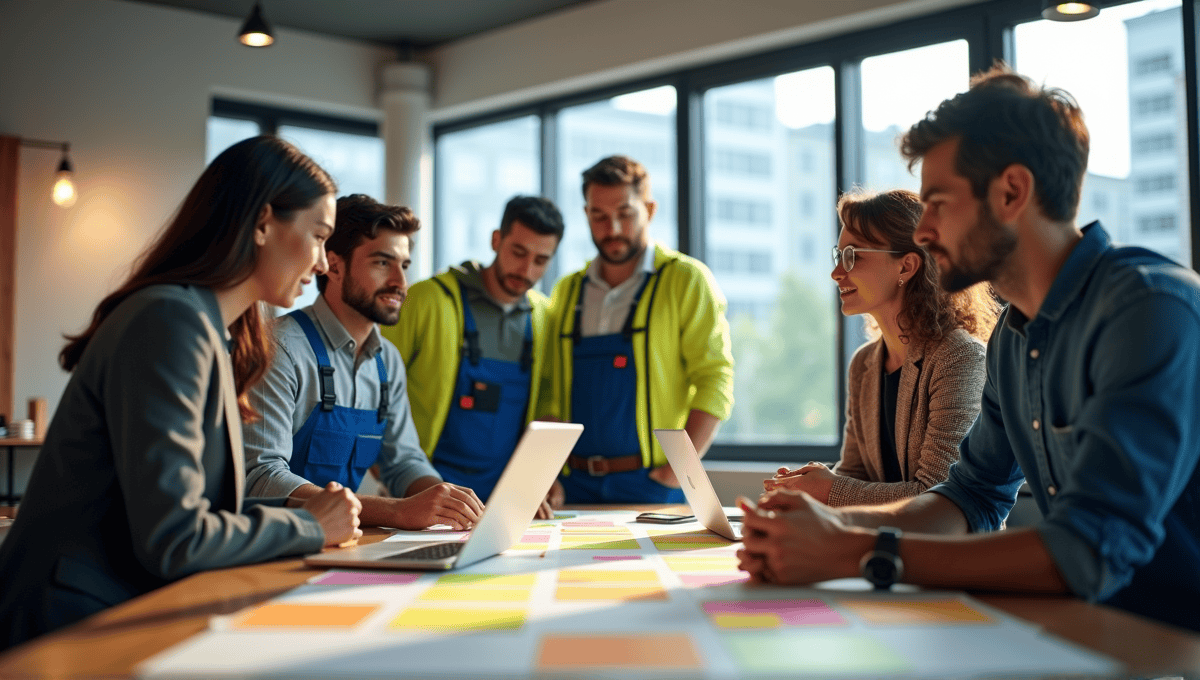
pixel 527 346
pixel 470 333
pixel 627 328
pixel 381 413
pixel 328 398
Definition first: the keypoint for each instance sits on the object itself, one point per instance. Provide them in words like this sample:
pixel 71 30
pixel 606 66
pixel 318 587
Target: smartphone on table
pixel 664 518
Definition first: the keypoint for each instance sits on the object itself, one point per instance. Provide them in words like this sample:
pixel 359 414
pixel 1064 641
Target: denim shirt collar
pixel 1071 279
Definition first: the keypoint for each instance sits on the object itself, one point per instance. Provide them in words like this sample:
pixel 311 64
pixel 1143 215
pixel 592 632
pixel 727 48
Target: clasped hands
pixel 815 479
pixel 790 538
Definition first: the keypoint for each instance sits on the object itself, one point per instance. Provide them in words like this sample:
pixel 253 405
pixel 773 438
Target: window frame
pixel 986 27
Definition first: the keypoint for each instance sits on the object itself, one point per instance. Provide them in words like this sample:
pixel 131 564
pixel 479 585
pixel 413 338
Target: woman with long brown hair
pixel 914 389
pixel 140 479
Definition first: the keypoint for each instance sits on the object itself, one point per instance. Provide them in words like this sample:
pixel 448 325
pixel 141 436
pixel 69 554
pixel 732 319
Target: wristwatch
pixel 882 566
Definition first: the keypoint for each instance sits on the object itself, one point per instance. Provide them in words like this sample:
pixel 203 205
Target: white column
pixel 408 158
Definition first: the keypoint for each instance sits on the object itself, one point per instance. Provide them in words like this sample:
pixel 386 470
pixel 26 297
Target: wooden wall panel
pixel 9 156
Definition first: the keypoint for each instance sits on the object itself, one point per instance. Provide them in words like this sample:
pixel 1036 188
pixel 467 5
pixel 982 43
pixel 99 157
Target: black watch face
pixel 880 571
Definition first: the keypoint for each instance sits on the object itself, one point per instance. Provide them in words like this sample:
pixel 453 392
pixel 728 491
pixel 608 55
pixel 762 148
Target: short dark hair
pixel 1005 119
pixel 537 213
pixel 615 171
pixel 359 218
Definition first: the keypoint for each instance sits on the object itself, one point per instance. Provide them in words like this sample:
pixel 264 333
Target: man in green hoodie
pixel 469 337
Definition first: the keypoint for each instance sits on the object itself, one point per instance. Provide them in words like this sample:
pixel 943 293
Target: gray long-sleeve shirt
pixel 289 391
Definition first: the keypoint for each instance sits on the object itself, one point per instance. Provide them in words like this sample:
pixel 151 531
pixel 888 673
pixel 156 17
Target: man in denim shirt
pixel 1092 392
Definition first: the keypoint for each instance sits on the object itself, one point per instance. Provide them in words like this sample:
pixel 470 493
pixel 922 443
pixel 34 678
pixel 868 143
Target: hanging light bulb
pixel 1058 10
pixel 256 32
pixel 64 182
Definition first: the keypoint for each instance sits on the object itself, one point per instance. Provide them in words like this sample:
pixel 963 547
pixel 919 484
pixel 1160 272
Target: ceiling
pixel 416 23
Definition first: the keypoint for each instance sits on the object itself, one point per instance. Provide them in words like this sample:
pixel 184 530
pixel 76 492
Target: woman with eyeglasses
pixel 914 390
pixel 140 480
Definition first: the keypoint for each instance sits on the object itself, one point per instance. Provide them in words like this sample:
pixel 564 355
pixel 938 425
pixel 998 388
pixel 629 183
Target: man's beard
pixel 506 286
pixel 986 248
pixel 631 251
pixel 364 303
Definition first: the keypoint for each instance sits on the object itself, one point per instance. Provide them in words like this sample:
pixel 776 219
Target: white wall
pixel 611 41
pixel 129 85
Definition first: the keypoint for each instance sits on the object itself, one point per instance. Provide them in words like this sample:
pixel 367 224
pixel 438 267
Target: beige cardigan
pixel 940 389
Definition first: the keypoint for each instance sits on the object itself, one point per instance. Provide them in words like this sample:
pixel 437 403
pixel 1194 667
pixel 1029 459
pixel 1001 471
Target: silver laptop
pixel 696 486
pixel 535 463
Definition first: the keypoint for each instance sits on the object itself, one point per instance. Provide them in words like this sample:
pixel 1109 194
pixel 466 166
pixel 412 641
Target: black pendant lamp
pixel 256 32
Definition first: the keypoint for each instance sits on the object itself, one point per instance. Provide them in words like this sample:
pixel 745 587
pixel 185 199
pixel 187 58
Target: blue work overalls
pixel 604 400
pixel 487 412
pixel 337 443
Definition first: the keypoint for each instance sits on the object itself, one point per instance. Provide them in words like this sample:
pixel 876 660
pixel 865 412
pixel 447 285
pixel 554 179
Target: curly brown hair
pixel 929 313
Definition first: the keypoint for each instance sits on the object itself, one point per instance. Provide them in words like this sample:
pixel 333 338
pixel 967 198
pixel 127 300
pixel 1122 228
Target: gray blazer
pixel 139 482
pixel 941 385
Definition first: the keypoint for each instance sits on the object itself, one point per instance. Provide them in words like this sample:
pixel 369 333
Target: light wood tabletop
pixel 114 642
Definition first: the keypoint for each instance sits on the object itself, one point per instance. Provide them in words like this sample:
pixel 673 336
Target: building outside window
pixel 349 150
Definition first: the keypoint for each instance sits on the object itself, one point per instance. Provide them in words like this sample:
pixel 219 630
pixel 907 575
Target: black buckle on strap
pixel 381 414
pixel 327 394
pixel 474 353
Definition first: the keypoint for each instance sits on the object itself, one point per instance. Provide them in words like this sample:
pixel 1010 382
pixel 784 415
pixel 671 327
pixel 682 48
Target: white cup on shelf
pixel 21 429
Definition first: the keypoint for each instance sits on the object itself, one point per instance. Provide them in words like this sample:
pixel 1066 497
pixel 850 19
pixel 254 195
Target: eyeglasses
pixel 845 256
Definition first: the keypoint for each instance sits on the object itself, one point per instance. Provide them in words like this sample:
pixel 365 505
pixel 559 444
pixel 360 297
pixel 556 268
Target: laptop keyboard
pixel 437 551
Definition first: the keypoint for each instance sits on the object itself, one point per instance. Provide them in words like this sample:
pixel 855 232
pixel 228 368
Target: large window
pixel 897 90
pixel 478 170
pixel 640 125
pixel 1125 67
pixel 748 157
pixel 349 150
pixel 769 181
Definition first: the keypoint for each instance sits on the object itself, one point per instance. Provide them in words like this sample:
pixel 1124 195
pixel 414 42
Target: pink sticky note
pixel 702 580
pixel 790 612
pixel 359 578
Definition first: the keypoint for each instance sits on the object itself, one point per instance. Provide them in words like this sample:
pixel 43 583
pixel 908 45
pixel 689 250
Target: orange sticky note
pixel 306 616
pixel 949 611
pixel 674 650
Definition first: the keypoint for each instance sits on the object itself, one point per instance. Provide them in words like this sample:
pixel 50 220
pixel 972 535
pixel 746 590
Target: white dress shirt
pixel 605 307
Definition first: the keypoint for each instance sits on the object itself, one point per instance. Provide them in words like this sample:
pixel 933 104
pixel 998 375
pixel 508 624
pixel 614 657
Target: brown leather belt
pixel 598 466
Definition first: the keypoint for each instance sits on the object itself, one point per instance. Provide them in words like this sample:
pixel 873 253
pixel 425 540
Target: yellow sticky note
pixel 607 576
pixel 702 563
pixel 428 618
pixel 464 594
pixel 614 593
pixel 488 580
pixel 605 545
pixel 746 620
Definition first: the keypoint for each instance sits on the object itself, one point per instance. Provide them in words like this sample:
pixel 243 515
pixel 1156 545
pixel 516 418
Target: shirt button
pixel 1051 490
pixel 1037 424
pixel 1034 353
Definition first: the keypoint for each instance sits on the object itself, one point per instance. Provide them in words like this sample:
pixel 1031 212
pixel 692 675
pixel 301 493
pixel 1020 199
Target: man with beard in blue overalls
pixel 334 400
pixel 639 341
pixel 468 337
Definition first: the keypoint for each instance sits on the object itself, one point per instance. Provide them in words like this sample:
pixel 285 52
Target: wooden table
pixel 112 643
pixel 12 444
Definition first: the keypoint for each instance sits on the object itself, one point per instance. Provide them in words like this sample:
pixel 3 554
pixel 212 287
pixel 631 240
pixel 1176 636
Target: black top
pixel 887 432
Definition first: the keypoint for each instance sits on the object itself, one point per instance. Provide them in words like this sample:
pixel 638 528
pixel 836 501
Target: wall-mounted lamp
pixel 1057 10
pixel 255 32
pixel 64 178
